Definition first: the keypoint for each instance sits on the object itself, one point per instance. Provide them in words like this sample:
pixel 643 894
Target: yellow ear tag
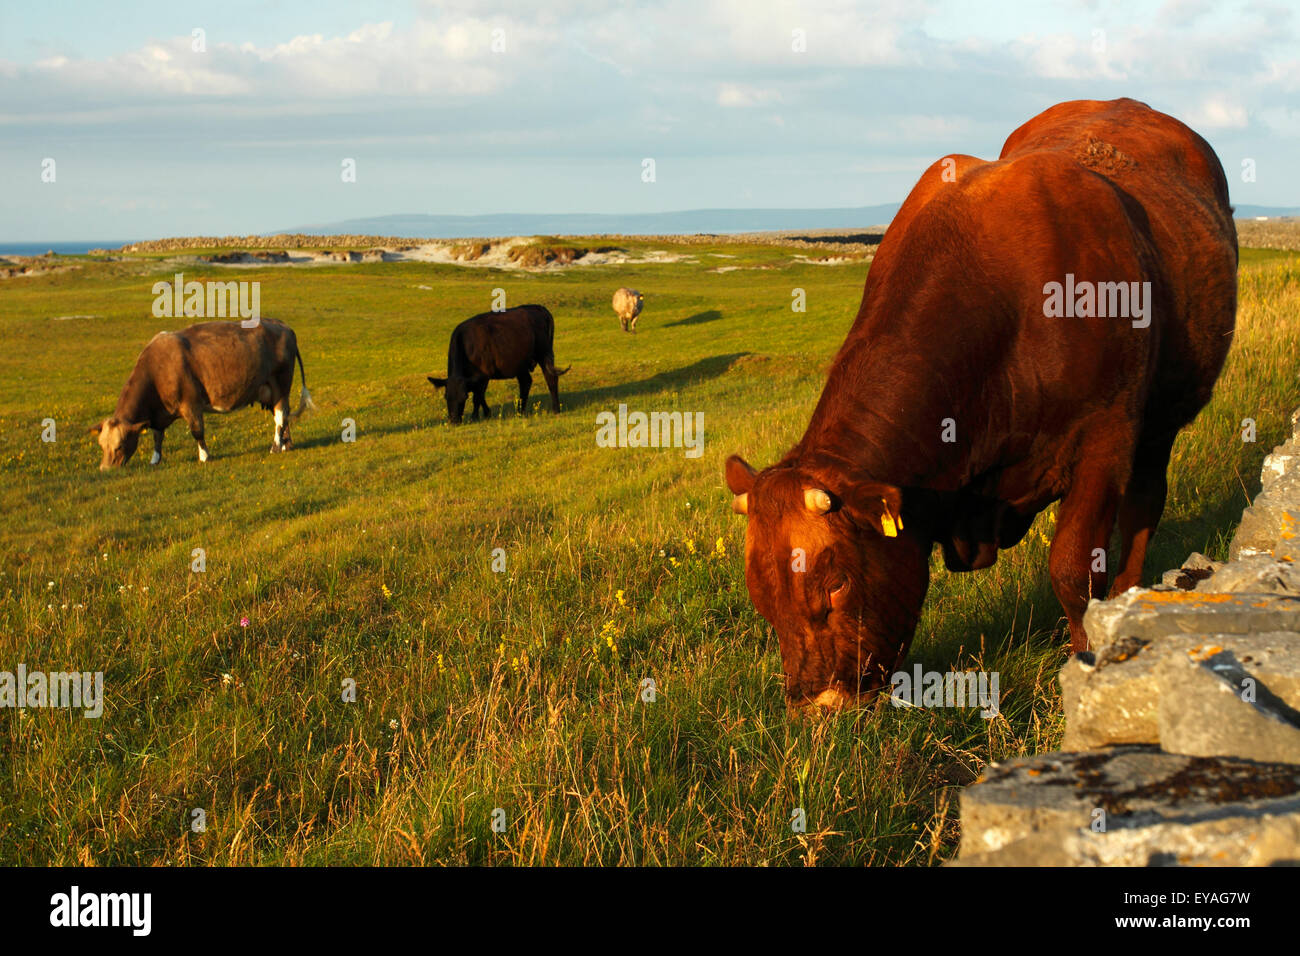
pixel 887 521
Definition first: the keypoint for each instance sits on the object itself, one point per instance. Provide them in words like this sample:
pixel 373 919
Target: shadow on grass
pixel 390 427
pixel 707 368
pixel 699 318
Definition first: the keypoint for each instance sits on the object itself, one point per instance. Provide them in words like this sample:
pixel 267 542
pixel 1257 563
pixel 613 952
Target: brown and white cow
pixel 209 367
pixel 965 400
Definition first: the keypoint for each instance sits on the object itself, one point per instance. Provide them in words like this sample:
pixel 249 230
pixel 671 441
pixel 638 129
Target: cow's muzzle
pixel 831 700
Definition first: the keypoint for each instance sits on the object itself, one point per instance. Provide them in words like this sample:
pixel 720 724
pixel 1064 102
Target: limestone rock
pixel 1281 461
pixel 1271 525
pixel 1110 697
pixel 1257 574
pixel 1195 569
pixel 1132 806
pixel 1155 614
pixel 1210 705
pixel 1114 696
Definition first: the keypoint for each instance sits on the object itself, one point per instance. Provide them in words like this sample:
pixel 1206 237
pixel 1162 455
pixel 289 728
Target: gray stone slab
pixel 1152 614
pixel 1257 574
pixel 1153 808
pixel 1113 696
pixel 1211 705
pixel 1271 525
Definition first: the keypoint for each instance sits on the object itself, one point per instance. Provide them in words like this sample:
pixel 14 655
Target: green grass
pixel 476 690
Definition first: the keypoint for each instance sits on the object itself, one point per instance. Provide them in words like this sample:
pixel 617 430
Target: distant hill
pixel 586 224
pixel 1250 212
pixel 685 222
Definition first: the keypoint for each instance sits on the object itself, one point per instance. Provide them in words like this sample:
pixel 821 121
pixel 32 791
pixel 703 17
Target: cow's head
pixel 830 566
pixel 456 392
pixel 119 441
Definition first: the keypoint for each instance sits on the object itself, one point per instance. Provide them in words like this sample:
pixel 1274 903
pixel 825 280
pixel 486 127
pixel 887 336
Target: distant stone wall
pixel 280 241
pixel 1182 739
pixel 826 240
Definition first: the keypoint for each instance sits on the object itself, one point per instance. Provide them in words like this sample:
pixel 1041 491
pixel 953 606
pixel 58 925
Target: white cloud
pixel 446 57
pixel 740 95
pixel 586 88
pixel 1217 112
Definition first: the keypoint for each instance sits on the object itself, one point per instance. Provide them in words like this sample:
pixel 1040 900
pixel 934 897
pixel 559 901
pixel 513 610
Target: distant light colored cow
pixel 627 304
pixel 209 367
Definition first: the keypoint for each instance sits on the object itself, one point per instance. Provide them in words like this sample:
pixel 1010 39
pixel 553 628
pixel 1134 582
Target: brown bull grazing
pixel 499 345
pixel 209 367
pixel 1033 329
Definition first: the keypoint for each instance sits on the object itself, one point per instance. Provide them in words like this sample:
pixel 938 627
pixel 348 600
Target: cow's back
pixel 229 362
pixel 1181 199
pixel 953 321
pixel 502 345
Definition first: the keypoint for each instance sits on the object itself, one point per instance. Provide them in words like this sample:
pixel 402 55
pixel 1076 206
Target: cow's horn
pixel 740 504
pixel 816 501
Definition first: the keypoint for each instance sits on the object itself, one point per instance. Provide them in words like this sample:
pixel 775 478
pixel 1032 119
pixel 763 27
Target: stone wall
pixel 1182 739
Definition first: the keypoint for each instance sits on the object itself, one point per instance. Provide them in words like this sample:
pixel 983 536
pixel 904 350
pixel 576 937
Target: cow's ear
pixel 875 504
pixel 137 427
pixel 740 475
pixel 740 479
pixel 437 382
pixel 95 429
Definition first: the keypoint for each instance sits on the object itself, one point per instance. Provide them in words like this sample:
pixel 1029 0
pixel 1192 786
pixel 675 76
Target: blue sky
pixel 153 138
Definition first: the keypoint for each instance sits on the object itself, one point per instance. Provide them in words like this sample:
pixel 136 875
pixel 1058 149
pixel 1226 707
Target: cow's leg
pixel 282 440
pixel 480 401
pixel 525 384
pixel 194 419
pixel 623 320
pixel 1083 524
pixel 631 326
pixel 552 384
pixel 1141 508
pixel 157 446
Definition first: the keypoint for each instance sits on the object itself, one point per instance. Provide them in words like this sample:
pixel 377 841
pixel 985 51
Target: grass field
pixel 477 690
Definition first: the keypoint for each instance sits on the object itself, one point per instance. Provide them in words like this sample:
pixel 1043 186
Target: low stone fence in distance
pixel 1182 740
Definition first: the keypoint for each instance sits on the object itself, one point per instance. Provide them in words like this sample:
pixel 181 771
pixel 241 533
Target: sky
pixel 168 118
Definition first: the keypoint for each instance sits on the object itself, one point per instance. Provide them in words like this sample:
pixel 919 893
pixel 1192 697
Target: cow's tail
pixel 548 363
pixel 305 404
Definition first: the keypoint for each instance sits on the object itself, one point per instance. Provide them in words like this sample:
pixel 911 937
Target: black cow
pixel 499 345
